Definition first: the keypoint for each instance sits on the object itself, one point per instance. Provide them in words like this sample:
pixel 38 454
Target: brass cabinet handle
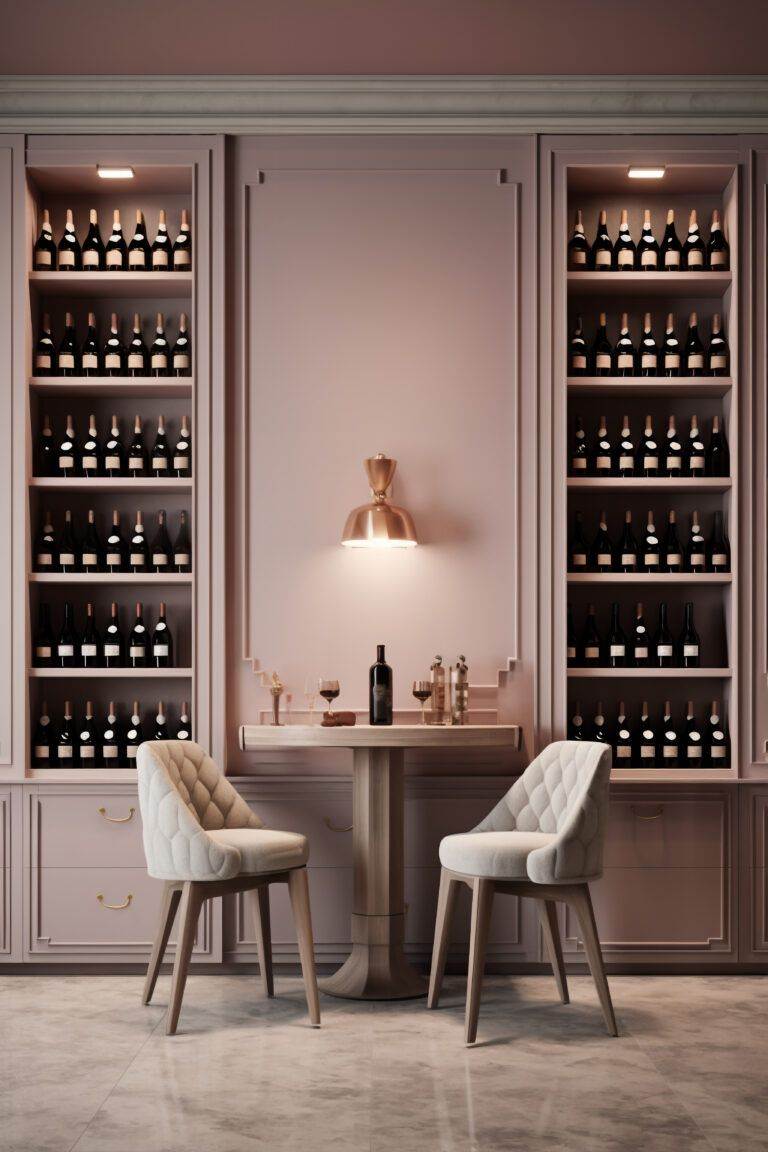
pixel 656 815
pixel 332 827
pixel 115 907
pixel 117 819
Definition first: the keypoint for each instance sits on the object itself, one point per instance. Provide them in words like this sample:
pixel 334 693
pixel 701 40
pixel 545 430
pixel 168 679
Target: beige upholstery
pixel 196 826
pixel 549 828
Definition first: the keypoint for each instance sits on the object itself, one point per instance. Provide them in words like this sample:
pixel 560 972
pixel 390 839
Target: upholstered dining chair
pixel 203 840
pixel 544 840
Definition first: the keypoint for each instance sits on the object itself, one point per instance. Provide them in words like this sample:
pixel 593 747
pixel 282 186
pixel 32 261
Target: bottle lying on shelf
pixel 614 649
pixel 648 255
pixel 657 743
pixel 651 554
pixel 116 255
pixel 109 743
pixel 625 456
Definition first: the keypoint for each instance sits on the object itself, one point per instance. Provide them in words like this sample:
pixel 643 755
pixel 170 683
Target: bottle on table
pixel 437 676
pixel 380 689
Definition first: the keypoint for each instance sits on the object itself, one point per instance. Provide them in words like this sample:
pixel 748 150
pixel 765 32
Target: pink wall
pixel 403 37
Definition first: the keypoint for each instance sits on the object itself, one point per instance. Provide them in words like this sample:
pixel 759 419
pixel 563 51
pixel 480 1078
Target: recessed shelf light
pixel 640 172
pixel 108 172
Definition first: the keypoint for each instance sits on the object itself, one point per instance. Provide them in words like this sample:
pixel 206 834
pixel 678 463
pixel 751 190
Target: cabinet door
pixel 753 875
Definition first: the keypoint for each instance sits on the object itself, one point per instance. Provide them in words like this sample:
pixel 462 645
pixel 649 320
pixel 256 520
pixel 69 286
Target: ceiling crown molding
pixel 383 104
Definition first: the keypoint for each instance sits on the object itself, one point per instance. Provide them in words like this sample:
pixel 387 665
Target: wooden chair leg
pixel 171 898
pixel 298 889
pixel 582 902
pixel 446 903
pixel 551 932
pixel 192 897
pixel 482 904
pixel 259 898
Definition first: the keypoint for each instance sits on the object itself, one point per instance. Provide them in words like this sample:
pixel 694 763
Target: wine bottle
pixel 602 352
pixel 67 643
pixel 90 643
pixel 139 251
pixel 113 647
pixel 602 548
pixel 138 555
pixel 671 349
pixel 184 728
pixel 160 457
pixel 162 642
pixel 137 453
pixel 670 745
pixel 694 460
pixel 624 355
pixel 91 550
pixel 90 353
pixel 138 353
pixel 46 451
pixel 182 453
pixel 693 749
pixel 624 464
pixel 648 741
pixel 649 349
pixel 663 644
pixel 639 652
pixel 571 647
pixel 694 252
pixel 115 459
pixel 70 252
pixel 577 351
pixel 673 451
pixel 671 248
pixel 694 349
pixel 69 451
pixel 115 356
pixel 672 551
pixel 718 250
pixel 647 248
pixel 181 354
pixel 718 452
pixel 45 546
pixel 591 642
pixel 689 645
pixel 648 454
pixel 601 255
pixel 695 552
pixel 617 641
pixel 161 552
pixel 112 744
pixel 45 740
pixel 718 353
pixel 576 723
pixel 68 356
pixel 117 249
pixel 626 550
pixel 43 644
pixel 182 547
pixel 182 248
pixel 138 642
pixel 134 735
pixel 579 451
pixel 87 738
pixel 66 745
pixel 717 748
pixel 67 546
pixel 159 353
pixel 160 731
pixel 624 251
pixel 718 547
pixel 44 350
pixel 380 690
pixel 602 453
pixel 44 252
pixel 599 727
pixel 116 555
pixel 91 451
pixel 578 551
pixel 94 255
pixel 622 746
pixel 578 248
pixel 161 249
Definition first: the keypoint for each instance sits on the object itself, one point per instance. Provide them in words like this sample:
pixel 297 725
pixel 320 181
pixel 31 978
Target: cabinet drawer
pixel 667 832
pixel 96 829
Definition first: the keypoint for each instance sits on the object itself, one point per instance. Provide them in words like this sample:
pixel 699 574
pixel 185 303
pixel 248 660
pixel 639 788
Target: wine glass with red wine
pixel 329 690
pixel 422 690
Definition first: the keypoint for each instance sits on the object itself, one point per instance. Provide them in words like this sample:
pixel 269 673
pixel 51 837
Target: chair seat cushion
pixel 500 855
pixel 264 849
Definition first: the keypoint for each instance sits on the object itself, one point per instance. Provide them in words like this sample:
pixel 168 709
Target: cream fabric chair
pixel 203 840
pixel 544 839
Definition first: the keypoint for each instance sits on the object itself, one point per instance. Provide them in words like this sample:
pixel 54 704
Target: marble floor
pixel 84 1068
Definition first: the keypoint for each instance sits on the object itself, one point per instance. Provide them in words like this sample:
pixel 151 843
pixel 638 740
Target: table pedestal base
pixel 376 970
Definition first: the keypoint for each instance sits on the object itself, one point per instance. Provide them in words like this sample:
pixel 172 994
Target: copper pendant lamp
pixel 379 524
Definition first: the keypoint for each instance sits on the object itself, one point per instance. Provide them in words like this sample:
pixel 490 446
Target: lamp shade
pixel 379 524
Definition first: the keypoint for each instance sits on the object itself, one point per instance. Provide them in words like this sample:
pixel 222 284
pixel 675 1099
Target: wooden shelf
pixel 110 484
pixel 129 386
pixel 650 385
pixel 88 578
pixel 111 673
pixel 664 284
pixel 650 577
pixel 647 673
pixel 668 775
pixel 650 484
pixel 112 284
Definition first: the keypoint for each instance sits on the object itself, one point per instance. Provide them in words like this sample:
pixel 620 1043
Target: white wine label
pixel 112 360
pixel 690 649
pixel 649 360
pixel 160 258
pixel 44 559
pixel 717 259
pixel 131 751
pixel 579 463
pixel 66 649
pixel 90 361
pixel 160 360
pixel 673 462
pixel 160 650
pixel 90 258
pixel 604 558
pixel 113 559
pixel 90 463
pixel 641 653
pixel 696 462
pixel 578 559
pixel 591 653
pixel 181 258
pixel 624 752
pixel 43 360
pixel 111 649
pixel 696 361
pixel 671 360
pixel 696 559
pixel 88 650
pixel 577 255
pixel 66 360
pixel 603 360
pixel 603 258
pixel 66 258
pixel 647 751
pixel 159 559
pixel 625 360
pixel 626 258
pixel 137 559
pixel 650 462
pixel 674 559
pixel 717 752
pixel 717 362
pixel 180 463
pixel 693 752
pixel 159 463
pixel 651 559
pixel 43 257
pixel 603 463
pixel 43 652
pixel 695 258
pixel 626 462
pixel 66 559
pixel 135 651
pixel 87 751
pixel 65 751
pixel 41 752
pixel 670 751
pixel 112 462
pixel 109 752
pixel 136 258
pixel 90 559
pixel 136 463
pixel 628 559
pixel 571 653
pixel 181 360
pixel 719 559
pixel 66 462
pixel 649 258
pixel 671 258
pixel 114 258
pixel 618 650
pixel 135 360
pixel 664 650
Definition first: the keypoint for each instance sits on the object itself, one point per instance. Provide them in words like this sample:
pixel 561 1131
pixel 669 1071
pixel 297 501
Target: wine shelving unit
pixel 604 185
pixel 171 184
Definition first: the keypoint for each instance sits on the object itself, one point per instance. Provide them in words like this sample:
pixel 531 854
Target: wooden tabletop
pixel 254 737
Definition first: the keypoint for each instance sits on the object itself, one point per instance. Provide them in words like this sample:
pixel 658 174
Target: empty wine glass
pixel 329 690
pixel 310 695
pixel 422 690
